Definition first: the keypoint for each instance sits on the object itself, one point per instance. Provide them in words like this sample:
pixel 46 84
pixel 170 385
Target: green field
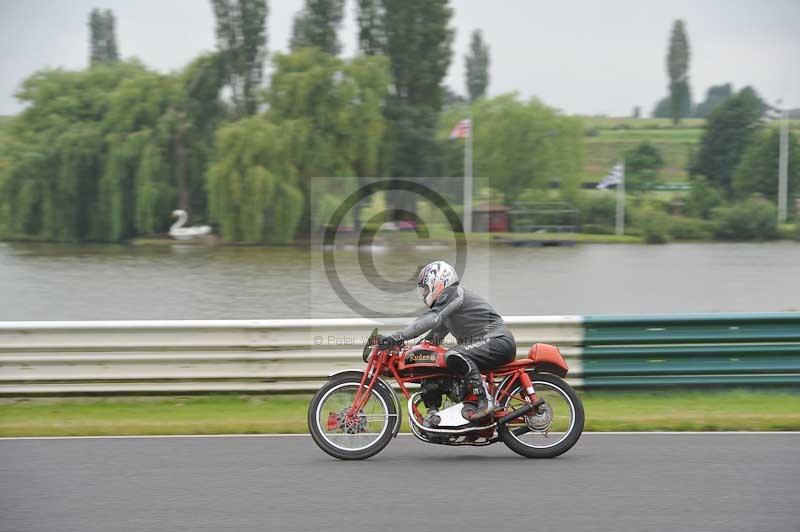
pixel 221 414
pixel 608 138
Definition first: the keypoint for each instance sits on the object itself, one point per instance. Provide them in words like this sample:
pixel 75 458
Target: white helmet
pixel 433 279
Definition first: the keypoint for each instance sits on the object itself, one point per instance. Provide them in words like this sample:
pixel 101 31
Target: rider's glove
pixel 390 341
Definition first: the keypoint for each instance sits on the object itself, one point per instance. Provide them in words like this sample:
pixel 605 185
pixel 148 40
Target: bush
pixel 787 231
pixel 703 198
pixel 654 225
pixel 682 228
pixel 642 165
pixel 597 208
pixel 753 219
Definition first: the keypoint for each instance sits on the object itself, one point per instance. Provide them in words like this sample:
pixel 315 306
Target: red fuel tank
pixel 424 355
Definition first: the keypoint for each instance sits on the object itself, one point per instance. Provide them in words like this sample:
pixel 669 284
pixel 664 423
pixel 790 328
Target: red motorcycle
pixel 537 414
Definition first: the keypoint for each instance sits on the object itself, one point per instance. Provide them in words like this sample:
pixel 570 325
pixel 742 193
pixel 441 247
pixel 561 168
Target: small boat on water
pixel 179 232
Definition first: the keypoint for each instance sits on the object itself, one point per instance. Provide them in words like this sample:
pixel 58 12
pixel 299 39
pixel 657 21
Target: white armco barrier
pixel 186 357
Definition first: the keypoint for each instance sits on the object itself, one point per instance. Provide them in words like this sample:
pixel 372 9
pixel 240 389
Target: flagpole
pixel 621 201
pixel 468 176
pixel 783 166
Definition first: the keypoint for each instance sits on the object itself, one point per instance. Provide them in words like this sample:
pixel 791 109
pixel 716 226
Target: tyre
pixel 347 436
pixel 554 429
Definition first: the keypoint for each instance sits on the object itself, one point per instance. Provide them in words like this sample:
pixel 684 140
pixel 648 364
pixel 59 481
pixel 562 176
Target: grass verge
pixel 606 411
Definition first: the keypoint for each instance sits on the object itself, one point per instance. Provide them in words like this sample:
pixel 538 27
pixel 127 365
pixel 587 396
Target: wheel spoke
pixel 352 431
pixel 552 422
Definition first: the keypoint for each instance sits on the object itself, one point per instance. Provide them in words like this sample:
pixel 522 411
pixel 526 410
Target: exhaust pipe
pixel 521 411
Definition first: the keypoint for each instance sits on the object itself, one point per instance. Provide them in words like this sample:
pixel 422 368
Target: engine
pixel 433 389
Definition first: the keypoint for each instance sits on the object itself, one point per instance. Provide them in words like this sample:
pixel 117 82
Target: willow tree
pixel 101 154
pixel 191 120
pixel 252 186
pixel 136 192
pixel 332 112
pixel 56 152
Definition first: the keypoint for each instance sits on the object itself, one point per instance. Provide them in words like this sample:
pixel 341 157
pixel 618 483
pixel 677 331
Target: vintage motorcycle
pixel 356 414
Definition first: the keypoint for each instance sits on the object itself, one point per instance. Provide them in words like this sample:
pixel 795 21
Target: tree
pixel 662 109
pixel 317 24
pixel 371 33
pixel 715 96
pixel 242 41
pixel 102 37
pixel 703 198
pixel 253 189
pixel 190 121
pixel 752 219
pixel 678 71
pixel 299 38
pixel 331 111
pixel 103 154
pixel 58 153
pixel 477 66
pixel 642 165
pixel 418 45
pixel 519 145
pixel 758 170
pixel 728 132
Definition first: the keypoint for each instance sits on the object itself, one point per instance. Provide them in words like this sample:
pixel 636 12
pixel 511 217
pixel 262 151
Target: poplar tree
pixel 102 37
pixel 242 42
pixel 680 99
pixel 317 24
pixel 477 66
pixel 371 33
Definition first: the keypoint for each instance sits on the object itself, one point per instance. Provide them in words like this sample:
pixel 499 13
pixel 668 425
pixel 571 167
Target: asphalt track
pixel 619 482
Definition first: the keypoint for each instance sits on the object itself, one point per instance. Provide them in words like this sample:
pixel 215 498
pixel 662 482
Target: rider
pixel 484 341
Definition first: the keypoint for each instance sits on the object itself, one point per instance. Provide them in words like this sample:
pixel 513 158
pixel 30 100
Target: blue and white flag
pixel 613 178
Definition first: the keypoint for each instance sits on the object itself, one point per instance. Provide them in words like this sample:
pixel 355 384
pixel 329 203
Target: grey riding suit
pixel 483 340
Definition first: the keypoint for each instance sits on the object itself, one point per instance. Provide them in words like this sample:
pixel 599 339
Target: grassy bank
pixel 607 139
pixel 445 235
pixel 738 410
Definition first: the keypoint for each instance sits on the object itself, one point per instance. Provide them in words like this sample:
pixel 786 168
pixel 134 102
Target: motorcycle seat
pixel 515 364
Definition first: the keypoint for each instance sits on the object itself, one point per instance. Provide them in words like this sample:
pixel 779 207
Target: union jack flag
pixel 462 130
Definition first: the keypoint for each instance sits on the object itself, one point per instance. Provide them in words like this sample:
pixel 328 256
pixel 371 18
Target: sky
pixel 583 57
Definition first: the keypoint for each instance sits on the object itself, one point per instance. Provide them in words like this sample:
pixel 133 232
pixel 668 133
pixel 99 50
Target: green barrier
pixel 691 350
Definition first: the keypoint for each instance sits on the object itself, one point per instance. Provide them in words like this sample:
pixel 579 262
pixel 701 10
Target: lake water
pixel 88 282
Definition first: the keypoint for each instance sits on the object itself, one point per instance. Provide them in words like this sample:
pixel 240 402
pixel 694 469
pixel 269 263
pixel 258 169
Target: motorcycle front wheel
pixel 349 435
pixel 551 431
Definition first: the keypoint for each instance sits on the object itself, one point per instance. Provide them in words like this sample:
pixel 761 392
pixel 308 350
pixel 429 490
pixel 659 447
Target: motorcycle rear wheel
pixel 357 436
pixel 555 429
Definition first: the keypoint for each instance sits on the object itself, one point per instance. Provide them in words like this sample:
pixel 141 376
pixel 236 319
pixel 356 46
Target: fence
pixel 700 349
pixel 273 356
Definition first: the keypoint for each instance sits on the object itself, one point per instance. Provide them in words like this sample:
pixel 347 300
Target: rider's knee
pixel 457 362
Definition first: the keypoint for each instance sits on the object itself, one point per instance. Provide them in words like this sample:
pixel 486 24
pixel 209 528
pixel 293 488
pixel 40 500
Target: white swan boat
pixel 178 232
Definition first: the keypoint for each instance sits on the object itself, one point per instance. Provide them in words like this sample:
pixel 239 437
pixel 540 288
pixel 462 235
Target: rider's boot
pixel 464 366
pixel 432 397
pixel 478 386
pixel 431 419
